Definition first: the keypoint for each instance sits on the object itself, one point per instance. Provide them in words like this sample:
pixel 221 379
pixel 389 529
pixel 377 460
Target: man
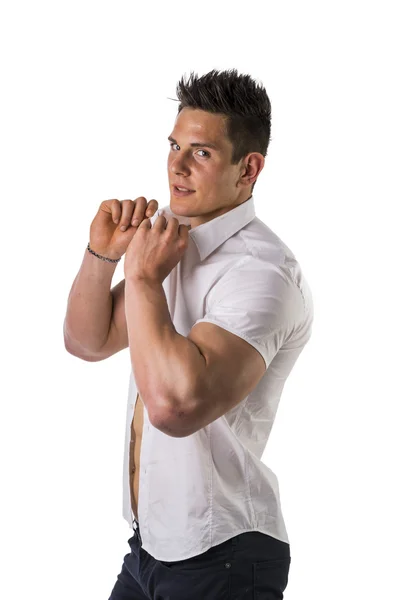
pixel 215 311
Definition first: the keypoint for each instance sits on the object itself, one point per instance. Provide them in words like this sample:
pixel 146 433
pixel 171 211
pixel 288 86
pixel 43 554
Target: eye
pixel 208 154
pixel 205 151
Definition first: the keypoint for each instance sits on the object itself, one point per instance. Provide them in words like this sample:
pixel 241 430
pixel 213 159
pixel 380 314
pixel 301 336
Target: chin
pixel 179 205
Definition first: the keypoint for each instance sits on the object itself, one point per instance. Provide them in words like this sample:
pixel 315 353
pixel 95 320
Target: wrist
pixel 105 255
pixel 138 280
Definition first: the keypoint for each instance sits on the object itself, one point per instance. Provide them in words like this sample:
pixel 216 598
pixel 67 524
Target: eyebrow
pixel 197 144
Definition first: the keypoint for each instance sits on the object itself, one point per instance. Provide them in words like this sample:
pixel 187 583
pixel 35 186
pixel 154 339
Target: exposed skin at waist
pixel 134 454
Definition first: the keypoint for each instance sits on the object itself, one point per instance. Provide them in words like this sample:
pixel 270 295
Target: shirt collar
pixel 209 236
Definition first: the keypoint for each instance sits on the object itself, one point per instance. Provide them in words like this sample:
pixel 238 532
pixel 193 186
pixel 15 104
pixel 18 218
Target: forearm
pixel 89 307
pixel 166 365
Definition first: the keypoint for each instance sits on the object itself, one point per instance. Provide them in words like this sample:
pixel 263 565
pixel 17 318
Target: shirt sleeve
pixel 257 301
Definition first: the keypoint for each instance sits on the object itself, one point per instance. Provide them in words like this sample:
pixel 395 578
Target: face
pixel 192 164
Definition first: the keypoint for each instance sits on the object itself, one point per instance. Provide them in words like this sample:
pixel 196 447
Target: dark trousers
pixel 249 566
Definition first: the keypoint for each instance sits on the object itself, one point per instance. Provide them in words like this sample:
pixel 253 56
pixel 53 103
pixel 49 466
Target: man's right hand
pixel 106 235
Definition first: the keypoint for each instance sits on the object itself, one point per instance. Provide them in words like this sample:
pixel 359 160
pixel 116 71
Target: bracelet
pixel 111 260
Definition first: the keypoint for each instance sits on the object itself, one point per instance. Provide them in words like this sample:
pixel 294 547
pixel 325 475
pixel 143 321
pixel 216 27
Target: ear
pixel 253 164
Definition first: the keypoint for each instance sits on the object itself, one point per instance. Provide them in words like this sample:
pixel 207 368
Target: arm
pixel 185 382
pixel 167 366
pixel 89 309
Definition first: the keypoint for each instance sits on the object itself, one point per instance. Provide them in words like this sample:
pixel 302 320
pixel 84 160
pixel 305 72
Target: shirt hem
pixel 208 546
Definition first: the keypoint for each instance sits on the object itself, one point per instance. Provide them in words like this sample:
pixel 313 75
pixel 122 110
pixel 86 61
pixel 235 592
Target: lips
pixel 184 188
pixel 177 192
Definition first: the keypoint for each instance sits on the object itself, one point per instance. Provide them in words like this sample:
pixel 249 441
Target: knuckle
pixel 140 208
pixel 126 211
pixel 127 206
pixel 108 203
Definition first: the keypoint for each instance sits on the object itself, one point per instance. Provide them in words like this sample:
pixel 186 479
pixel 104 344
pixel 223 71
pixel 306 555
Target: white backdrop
pixel 85 117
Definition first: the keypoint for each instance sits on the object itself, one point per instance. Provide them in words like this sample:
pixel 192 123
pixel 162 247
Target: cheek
pixel 219 178
pixel 214 173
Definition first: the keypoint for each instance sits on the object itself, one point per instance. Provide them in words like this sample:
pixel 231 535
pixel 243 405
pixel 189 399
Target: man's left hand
pixel 155 250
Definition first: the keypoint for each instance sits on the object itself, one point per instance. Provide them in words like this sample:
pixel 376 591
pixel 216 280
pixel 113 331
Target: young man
pixel 215 311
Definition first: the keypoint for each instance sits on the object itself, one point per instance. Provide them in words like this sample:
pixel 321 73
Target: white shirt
pixel 201 490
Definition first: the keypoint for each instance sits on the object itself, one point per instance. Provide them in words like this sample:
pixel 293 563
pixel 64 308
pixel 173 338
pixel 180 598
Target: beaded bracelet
pixel 111 260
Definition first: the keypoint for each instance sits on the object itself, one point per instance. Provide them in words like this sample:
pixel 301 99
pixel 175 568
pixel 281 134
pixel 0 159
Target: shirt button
pixel 228 565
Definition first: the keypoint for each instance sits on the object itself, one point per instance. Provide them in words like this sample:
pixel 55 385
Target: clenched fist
pixel 115 224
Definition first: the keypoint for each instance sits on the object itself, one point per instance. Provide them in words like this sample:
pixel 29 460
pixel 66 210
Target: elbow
pixel 171 430
pixel 176 420
pixel 79 353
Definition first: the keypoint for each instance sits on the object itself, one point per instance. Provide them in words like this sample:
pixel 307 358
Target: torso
pixel 134 455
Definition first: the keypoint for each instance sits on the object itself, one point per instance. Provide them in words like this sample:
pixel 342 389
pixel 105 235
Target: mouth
pixel 181 191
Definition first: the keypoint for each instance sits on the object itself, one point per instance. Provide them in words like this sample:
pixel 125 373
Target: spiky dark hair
pixel 242 101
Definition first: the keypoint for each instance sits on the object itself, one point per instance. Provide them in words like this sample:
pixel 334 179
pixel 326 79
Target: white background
pixel 85 117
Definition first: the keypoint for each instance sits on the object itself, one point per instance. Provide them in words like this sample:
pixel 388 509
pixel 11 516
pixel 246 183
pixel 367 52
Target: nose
pixel 178 166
